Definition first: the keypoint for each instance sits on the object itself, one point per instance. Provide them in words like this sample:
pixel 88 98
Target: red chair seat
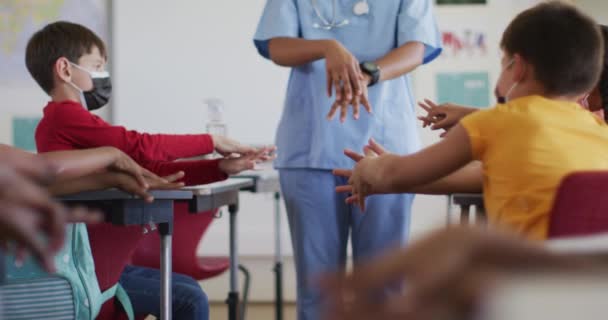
pixel 212 266
pixel 580 206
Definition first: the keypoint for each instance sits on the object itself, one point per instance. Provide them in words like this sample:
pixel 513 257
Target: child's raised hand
pixel 443 116
pixel 358 179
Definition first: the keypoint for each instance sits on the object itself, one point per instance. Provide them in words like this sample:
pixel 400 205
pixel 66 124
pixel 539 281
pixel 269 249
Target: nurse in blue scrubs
pixel 349 60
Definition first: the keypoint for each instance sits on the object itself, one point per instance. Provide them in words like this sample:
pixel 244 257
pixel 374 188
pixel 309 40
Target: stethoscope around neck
pixel 360 8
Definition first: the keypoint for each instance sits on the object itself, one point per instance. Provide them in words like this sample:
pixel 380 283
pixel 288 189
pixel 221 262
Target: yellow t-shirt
pixel 527 146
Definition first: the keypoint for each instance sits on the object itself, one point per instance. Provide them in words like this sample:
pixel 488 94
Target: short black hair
pixel 563 45
pixel 56 40
pixel 603 84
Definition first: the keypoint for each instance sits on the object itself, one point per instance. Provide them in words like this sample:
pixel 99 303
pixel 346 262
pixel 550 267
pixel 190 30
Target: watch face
pixel 372 67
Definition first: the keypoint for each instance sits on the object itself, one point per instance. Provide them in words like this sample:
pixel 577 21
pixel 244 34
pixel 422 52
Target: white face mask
pixel 500 98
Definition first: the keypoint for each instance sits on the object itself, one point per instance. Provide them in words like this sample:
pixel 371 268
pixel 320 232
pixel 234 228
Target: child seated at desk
pixel 68 61
pixel 446 115
pixel 552 56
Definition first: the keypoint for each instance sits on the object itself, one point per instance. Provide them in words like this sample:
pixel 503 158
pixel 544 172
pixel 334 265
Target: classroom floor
pixel 255 311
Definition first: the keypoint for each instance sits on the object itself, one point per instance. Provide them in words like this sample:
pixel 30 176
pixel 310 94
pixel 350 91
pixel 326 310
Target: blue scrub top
pixel 305 139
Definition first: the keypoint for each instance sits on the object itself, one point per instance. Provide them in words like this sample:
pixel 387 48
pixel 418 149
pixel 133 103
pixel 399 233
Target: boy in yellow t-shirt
pixel 551 57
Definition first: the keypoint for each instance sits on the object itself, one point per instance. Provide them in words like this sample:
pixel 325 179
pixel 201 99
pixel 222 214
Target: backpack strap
pixel 121 295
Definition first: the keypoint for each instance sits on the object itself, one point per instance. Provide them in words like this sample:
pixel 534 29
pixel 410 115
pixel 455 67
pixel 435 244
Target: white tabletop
pixel 219 187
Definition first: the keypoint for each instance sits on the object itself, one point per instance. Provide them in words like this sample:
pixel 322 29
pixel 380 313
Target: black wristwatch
pixel 373 70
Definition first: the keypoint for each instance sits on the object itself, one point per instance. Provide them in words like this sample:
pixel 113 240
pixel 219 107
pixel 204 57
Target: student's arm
pixel 207 171
pixel 76 126
pixel 468 179
pixel 196 172
pixel 77 163
pixel 389 173
pixel 123 181
pixel 430 164
pixel 91 182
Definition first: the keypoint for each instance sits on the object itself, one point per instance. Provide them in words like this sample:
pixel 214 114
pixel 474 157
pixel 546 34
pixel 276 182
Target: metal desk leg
pixel 233 295
pixel 448 218
pixel 166 231
pixel 278 258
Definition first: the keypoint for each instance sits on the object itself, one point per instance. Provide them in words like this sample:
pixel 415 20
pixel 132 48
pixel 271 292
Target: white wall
pixel 170 56
pixel 598 9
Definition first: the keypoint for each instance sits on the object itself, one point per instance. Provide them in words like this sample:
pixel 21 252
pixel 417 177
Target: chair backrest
pixel 581 205
pixel 112 248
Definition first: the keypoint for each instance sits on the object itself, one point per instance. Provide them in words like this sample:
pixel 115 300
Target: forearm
pixel 97 181
pixel 401 60
pixel 468 179
pixel 395 173
pixel 196 172
pixel 293 52
pixel 78 163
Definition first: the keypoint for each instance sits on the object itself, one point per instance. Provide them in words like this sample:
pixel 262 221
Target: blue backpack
pixel 74 264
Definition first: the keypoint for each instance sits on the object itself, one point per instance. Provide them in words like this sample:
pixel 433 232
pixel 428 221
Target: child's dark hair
pixel 603 84
pixel 563 45
pixel 56 40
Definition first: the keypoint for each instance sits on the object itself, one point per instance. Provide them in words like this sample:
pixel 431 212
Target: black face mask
pixel 100 94
pixel 102 89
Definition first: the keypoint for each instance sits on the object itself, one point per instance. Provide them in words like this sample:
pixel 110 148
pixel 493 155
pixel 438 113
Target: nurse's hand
pixel 344 76
pixel 356 103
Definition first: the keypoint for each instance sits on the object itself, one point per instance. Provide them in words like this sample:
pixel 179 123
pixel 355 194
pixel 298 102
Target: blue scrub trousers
pixel 320 224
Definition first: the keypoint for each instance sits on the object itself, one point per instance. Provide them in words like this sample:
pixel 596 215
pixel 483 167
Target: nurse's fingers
pixel 346 173
pixel 361 202
pixel 343 111
pixel 355 76
pixel 333 110
pixel 356 104
pixel 366 104
pixel 353 155
pixel 344 189
pixel 352 199
pixel 329 83
pixel 347 86
pixel 337 85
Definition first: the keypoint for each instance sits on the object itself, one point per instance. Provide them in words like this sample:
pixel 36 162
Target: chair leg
pixel 246 285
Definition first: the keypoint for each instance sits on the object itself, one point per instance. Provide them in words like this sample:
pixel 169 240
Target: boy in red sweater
pixel 68 62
